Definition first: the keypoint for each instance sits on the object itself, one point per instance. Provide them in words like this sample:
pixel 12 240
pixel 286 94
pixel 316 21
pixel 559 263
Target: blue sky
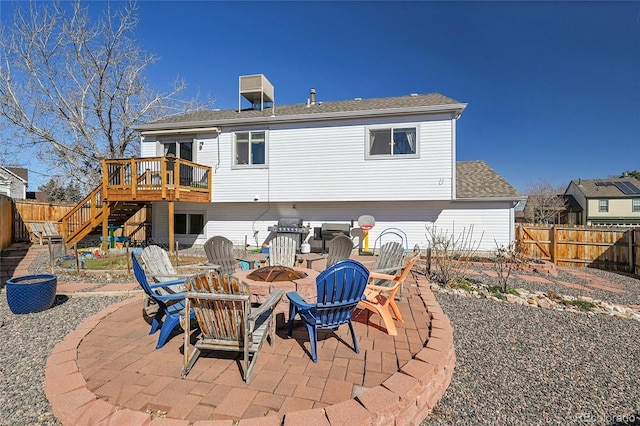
pixel 553 88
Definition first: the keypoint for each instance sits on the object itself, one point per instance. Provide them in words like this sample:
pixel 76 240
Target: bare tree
pixel 72 88
pixel 544 202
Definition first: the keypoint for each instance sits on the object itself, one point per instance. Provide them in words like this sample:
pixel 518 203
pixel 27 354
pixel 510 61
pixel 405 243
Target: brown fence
pixel 21 211
pixel 6 221
pixel 601 248
pixel 636 250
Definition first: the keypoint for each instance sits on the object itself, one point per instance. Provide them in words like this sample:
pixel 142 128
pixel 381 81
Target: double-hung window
pixel 635 205
pixel 603 206
pixel 392 142
pixel 250 149
pixel 188 224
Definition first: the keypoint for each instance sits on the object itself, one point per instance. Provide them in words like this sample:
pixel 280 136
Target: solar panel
pixel 627 187
pixel 601 183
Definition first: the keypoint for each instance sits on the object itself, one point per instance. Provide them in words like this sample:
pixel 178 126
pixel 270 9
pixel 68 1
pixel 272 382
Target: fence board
pixel 602 248
pixel 6 221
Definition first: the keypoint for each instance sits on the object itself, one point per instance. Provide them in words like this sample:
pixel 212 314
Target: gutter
pixel 188 125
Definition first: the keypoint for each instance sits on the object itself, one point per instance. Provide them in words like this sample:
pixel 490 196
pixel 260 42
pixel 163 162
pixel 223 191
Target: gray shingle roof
pixel 213 117
pixel 591 190
pixel 475 179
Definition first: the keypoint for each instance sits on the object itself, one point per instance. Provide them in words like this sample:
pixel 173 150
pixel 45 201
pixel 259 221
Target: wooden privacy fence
pixel 611 249
pixel 6 221
pixel 21 211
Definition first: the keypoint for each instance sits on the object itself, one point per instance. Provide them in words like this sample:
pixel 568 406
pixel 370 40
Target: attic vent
pixel 257 90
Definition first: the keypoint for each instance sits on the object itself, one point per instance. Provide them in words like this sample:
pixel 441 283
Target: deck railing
pixel 154 174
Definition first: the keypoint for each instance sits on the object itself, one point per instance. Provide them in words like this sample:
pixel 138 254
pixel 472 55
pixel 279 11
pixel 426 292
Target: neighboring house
pixel 13 182
pixel 611 201
pixel 332 162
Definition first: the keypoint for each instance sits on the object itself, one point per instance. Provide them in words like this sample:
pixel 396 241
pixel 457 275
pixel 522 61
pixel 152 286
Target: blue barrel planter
pixel 31 293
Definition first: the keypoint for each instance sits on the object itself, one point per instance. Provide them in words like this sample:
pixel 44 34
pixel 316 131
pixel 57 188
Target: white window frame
pixel 168 141
pixel 235 165
pixel 635 205
pixel 603 206
pixel 188 222
pixel 391 128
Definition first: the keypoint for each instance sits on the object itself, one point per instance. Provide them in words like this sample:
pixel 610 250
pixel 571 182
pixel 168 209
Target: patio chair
pixel 340 248
pixel 380 294
pixel 339 288
pixel 170 304
pixel 157 262
pixel 226 319
pixel 283 251
pixel 219 252
pixel 389 258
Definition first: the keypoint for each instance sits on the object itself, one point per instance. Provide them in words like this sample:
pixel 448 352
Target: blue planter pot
pixel 31 293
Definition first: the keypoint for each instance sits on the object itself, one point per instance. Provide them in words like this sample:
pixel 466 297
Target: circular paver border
pixel 406 397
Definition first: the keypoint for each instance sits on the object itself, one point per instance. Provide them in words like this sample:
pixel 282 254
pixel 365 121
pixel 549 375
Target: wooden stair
pixel 130 184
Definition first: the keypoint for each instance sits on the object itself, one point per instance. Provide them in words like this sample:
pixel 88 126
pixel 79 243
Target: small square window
pixel 250 149
pixel 603 206
pixel 636 205
pixel 188 224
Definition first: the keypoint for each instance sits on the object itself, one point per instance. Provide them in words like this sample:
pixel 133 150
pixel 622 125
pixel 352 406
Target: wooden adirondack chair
pixel 380 294
pixel 227 321
pixel 339 288
pixel 219 251
pixel 160 268
pixel 283 251
pixel 340 248
pixel 170 304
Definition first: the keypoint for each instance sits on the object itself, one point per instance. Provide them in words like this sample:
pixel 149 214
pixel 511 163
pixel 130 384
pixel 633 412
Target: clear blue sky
pixel 553 88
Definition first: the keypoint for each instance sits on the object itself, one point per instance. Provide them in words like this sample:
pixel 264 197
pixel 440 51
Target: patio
pixel 108 371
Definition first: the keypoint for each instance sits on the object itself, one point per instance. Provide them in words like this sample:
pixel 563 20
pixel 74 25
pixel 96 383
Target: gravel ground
pixel 518 365
pixel 25 344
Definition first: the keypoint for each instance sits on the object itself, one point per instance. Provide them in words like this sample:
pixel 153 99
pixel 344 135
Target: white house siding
pixel 326 162
pixel 488 222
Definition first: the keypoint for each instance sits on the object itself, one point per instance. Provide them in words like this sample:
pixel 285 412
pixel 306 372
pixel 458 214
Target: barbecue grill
pixel 291 226
pixel 328 231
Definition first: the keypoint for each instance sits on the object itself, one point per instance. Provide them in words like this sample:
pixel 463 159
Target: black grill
pixel 328 231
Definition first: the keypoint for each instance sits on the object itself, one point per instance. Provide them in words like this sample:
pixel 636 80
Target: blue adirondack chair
pixel 340 287
pixel 170 305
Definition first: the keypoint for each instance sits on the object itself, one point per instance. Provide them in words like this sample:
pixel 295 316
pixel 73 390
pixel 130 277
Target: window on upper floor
pixel 250 149
pixel 603 206
pixel 179 149
pixel 635 206
pixel 188 224
pixel 392 142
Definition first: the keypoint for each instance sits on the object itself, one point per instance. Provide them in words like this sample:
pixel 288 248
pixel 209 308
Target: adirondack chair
pixel 339 249
pixel 219 252
pixel 160 268
pixel 388 262
pixel 226 319
pixel 339 287
pixel 380 297
pixel 170 305
pixel 282 251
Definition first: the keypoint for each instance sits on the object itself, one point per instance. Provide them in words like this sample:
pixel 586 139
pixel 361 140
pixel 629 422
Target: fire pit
pixel 271 274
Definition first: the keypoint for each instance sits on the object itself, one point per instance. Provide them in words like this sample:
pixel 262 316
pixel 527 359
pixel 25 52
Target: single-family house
pixel 13 182
pixel 610 201
pixel 320 163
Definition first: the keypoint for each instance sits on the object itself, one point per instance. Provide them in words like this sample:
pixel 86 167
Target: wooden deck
pixel 128 184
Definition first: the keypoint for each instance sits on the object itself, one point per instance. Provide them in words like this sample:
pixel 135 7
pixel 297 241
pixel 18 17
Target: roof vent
pixel 257 90
pixel 413 94
pixel 357 99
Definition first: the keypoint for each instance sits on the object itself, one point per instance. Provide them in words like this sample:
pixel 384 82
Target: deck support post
pixel 170 215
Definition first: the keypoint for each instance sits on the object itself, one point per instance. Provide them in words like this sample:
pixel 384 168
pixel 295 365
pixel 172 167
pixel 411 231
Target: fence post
pixel 554 244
